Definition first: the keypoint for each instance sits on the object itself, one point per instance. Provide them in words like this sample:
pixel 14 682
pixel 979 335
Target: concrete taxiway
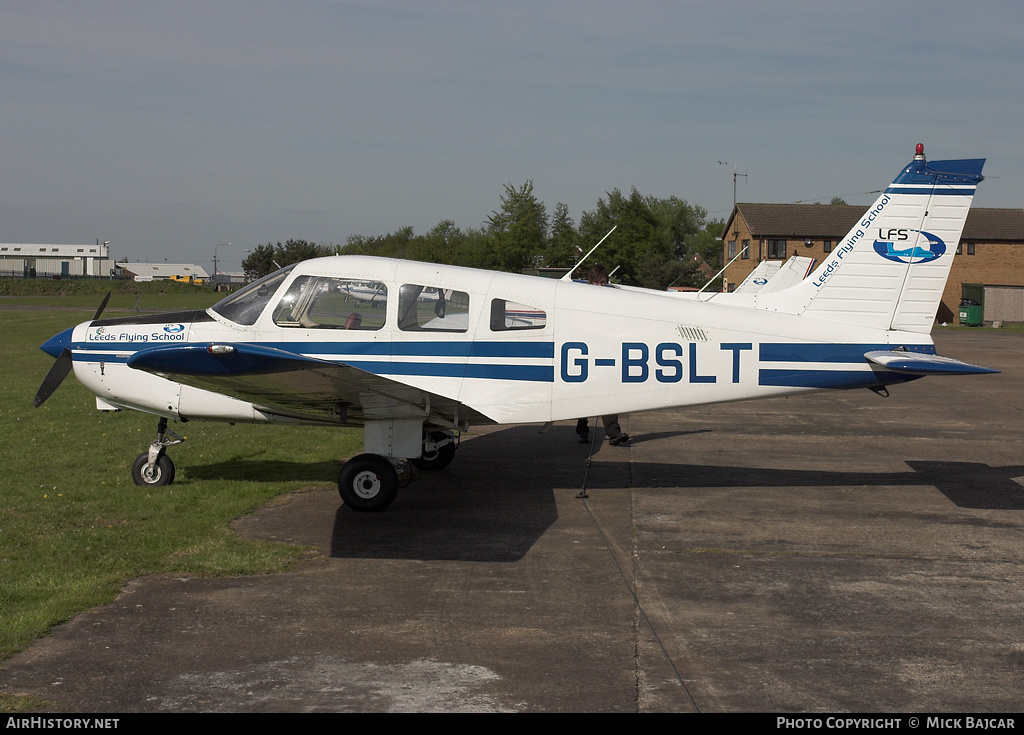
pixel 833 552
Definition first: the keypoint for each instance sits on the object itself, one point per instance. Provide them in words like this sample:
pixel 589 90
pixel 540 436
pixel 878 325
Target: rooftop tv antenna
pixel 735 175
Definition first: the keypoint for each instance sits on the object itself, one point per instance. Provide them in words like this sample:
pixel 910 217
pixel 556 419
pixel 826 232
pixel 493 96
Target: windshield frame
pixel 244 307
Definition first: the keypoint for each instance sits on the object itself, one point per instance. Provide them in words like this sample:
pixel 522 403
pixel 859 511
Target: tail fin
pixel 776 275
pixel 890 270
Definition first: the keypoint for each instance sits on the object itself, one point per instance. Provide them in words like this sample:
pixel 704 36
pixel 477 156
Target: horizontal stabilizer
pixel 917 364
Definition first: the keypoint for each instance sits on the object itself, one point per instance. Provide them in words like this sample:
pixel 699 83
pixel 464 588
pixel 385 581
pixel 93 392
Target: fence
pixel 20 273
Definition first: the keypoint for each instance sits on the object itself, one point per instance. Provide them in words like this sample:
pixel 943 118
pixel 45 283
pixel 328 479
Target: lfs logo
pixel 887 246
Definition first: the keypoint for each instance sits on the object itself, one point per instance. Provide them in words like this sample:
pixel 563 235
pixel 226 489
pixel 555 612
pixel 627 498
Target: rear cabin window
pixel 430 309
pixel 507 316
pixel 321 302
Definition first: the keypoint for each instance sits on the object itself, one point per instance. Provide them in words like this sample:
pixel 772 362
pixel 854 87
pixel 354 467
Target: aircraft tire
pixel 162 474
pixel 436 460
pixel 368 483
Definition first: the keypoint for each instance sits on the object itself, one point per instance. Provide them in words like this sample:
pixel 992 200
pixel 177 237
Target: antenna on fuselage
pixel 710 280
pixel 568 276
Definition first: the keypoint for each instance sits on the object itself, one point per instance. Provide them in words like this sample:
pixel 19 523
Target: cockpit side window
pixel 321 302
pixel 245 306
pixel 507 316
pixel 430 309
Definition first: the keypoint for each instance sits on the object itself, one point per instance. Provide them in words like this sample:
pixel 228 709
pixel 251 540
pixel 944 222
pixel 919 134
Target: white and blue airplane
pixel 417 353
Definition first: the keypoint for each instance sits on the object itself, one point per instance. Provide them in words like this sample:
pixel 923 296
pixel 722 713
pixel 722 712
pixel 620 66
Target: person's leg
pixel 583 431
pixel 612 429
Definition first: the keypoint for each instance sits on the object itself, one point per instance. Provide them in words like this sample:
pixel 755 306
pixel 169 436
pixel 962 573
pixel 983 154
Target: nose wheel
pixel 154 468
pixel 153 474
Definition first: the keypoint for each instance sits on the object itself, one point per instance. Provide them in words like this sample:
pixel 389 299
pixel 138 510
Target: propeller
pixel 62 365
pixel 103 305
pixel 59 371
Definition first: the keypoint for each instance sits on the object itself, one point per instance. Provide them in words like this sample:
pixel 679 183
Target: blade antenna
pixel 568 276
pixel 723 270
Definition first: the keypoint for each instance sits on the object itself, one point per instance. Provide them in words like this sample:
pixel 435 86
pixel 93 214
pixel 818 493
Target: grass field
pixel 74 528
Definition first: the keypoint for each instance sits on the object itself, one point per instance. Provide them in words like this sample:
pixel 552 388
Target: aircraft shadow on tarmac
pixel 967 484
pixel 497 498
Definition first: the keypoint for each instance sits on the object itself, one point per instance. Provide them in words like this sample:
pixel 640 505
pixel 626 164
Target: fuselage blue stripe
pixel 768 352
pixel 383 349
pixel 829 378
pixel 92 356
pixel 420 349
pixel 531 373
pixel 816 378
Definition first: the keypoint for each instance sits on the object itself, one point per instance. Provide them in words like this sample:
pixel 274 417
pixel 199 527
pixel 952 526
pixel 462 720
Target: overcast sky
pixel 167 128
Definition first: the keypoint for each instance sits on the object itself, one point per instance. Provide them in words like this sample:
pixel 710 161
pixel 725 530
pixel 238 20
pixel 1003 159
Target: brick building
pixel 988 266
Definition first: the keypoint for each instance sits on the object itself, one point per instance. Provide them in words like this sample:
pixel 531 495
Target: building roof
pixel 46 250
pixel 833 221
pixel 994 224
pixel 799 220
pixel 165 270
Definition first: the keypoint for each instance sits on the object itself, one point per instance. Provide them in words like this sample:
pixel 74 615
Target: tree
pixel 265 259
pixel 519 229
pixel 679 223
pixel 474 250
pixel 398 244
pixel 295 251
pixel 707 243
pixel 656 241
pixel 563 249
pixel 259 262
pixel 440 245
pixel 662 273
pixel 637 237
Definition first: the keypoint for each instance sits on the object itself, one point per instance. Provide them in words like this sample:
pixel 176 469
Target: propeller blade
pixel 64 362
pixel 103 305
pixel 59 371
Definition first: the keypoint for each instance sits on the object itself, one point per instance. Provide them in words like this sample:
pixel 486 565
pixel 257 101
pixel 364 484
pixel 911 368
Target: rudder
pixel 891 268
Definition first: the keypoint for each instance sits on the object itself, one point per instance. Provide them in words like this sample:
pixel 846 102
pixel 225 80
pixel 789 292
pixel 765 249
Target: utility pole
pixel 216 282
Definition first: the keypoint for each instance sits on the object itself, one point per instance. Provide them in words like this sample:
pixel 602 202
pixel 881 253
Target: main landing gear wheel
pixel 154 475
pixel 368 482
pixel 438 451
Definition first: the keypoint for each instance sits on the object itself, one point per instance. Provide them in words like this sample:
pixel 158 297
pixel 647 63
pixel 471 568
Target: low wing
pixel 914 363
pixel 289 384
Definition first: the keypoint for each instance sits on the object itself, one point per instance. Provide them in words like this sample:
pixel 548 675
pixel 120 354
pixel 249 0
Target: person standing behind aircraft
pixel 598 276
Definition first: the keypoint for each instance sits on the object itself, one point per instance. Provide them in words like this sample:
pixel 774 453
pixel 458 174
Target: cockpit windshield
pixel 245 306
